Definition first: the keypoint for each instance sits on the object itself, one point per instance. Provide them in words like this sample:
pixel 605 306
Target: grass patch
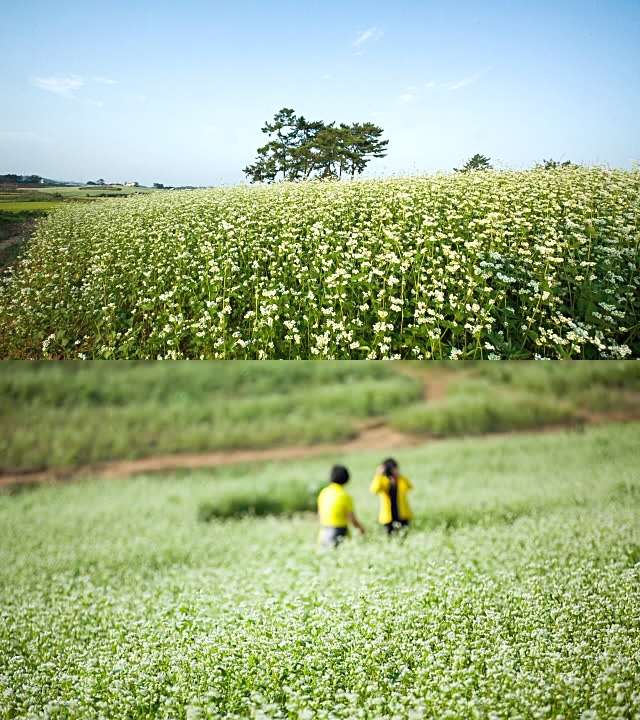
pixel 605 400
pixel 279 502
pixel 72 414
pixel 609 387
pixel 15 211
pixel 562 379
pixel 88 437
pixel 69 384
pixel 483 412
pixel 55 415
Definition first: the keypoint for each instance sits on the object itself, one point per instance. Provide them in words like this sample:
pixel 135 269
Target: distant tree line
pixel 480 162
pixel 555 164
pixel 300 149
pixel 25 179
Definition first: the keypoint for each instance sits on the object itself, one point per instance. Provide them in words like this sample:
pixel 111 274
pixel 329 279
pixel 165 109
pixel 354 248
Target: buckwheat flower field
pixel 472 265
pixel 515 594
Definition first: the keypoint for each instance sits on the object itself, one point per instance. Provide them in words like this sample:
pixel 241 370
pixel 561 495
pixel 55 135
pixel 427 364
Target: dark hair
pixel 389 465
pixel 339 474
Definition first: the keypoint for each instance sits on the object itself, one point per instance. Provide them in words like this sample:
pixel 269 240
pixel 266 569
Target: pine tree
pixel 302 149
pixel 477 162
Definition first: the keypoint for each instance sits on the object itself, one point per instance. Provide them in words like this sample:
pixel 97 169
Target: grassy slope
pixel 72 414
pixel 514 596
pixel 69 414
pixel 495 397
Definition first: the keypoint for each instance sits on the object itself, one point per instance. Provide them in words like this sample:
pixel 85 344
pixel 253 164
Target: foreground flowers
pixel 515 595
pixel 494 265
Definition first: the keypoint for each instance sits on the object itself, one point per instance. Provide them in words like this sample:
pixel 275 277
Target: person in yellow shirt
pixel 335 510
pixel 392 488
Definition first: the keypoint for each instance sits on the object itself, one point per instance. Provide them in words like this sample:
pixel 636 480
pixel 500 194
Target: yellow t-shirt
pixel 334 506
pixel 380 487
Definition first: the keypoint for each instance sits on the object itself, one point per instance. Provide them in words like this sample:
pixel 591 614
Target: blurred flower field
pixel 510 264
pixel 515 594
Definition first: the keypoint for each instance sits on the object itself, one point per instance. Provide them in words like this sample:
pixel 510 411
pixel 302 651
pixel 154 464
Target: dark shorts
pixel 397 526
pixel 332 536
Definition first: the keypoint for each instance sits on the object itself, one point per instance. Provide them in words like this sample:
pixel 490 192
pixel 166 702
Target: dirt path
pixel 15 240
pixel 381 437
pixel 435 384
pixel 13 235
pixel 374 436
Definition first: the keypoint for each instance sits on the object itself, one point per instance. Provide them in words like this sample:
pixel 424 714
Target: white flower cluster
pixel 510 602
pixel 529 262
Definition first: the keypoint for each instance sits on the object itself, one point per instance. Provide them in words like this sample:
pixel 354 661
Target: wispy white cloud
pixel 367 35
pixel 363 37
pixel 69 87
pixel 414 94
pixel 411 94
pixel 461 83
pixel 60 86
pixel 458 84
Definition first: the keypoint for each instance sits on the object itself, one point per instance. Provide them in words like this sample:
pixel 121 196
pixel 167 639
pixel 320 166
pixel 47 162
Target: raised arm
pixel 376 485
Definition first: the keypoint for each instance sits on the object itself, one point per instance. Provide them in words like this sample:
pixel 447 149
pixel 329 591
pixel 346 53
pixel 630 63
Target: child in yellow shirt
pixel 392 488
pixel 335 510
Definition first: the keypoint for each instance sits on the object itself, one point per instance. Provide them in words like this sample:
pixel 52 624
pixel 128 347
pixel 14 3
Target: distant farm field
pixel 83 191
pixel 29 206
pixel 472 265
pixel 514 595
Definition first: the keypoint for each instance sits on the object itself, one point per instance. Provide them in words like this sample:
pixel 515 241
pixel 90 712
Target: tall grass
pixel 68 415
pixel 478 411
pixel 561 378
pixel 72 384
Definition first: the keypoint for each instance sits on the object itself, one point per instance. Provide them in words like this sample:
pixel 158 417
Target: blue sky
pixel 176 92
